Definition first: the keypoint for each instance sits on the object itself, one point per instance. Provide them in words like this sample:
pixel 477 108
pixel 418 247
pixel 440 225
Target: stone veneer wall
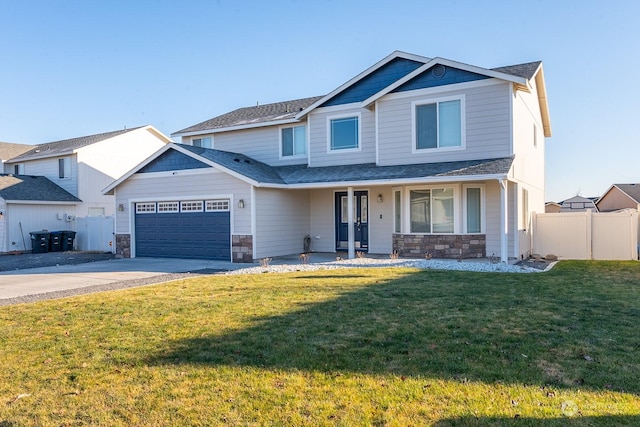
pixel 441 245
pixel 242 248
pixel 123 245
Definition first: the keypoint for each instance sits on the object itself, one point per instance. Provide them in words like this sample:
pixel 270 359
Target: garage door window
pixel 167 207
pixel 143 208
pixel 217 205
pixel 194 206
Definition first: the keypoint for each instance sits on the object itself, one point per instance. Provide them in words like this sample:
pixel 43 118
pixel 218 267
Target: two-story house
pixel 81 168
pixel 414 155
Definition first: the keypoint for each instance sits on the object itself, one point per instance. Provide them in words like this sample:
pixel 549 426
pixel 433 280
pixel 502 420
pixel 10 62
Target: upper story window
pixel 438 124
pixel 205 142
pixel 293 141
pixel 64 168
pixel 18 169
pixel 344 132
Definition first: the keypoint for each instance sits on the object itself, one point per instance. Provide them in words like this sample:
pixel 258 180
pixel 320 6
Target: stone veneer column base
pixel 441 245
pixel 123 246
pixel 242 248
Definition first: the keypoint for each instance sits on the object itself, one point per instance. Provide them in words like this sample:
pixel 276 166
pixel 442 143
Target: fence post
pixel 589 230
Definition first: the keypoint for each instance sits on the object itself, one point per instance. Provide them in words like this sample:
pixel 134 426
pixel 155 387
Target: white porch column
pixel 350 224
pixel 504 221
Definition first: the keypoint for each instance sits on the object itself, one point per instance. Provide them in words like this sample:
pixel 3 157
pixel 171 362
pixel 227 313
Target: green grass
pixel 340 347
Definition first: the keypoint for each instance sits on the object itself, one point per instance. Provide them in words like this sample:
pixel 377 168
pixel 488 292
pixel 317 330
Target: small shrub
pixel 265 262
pixel 393 255
pixel 304 258
pixel 361 254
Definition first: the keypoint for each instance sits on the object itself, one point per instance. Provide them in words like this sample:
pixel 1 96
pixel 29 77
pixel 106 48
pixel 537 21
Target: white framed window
pixel 192 206
pixel 64 168
pixel 216 205
pixel 18 169
pixel 473 208
pixel 397 211
pixel 344 133
pixel 293 141
pixel 432 210
pixel 438 124
pixel 205 142
pixel 167 207
pixel 146 207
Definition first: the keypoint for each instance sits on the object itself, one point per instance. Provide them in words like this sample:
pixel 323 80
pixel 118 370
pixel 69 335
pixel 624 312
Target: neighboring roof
pixel 33 188
pixel 578 204
pixel 68 146
pixel 291 111
pixel 277 111
pixel 631 190
pixel 9 150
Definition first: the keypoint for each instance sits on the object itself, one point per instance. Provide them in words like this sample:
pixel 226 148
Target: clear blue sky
pixel 75 68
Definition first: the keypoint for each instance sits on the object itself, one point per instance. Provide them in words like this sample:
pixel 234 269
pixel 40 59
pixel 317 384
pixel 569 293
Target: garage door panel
pixel 199 235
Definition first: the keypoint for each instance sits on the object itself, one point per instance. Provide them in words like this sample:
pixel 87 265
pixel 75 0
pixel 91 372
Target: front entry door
pixel 360 218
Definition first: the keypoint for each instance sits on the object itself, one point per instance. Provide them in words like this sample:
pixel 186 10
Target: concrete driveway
pixel 20 283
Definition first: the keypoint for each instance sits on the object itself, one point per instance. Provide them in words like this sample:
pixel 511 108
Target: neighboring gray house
pixel 26 200
pixel 578 204
pixel 413 155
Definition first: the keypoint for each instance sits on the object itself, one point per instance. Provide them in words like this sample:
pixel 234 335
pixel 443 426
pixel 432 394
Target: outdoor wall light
pixel 379 198
pixel 120 207
pixel 241 204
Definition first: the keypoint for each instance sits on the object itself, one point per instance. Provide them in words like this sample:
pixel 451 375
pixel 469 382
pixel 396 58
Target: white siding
pixel 488 132
pixel 49 168
pixel 322 221
pixel 32 218
pixel 282 222
pixel 182 186
pixel 102 163
pixel 380 220
pixel 319 140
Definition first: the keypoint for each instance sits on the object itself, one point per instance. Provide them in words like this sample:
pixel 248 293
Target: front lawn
pixel 335 347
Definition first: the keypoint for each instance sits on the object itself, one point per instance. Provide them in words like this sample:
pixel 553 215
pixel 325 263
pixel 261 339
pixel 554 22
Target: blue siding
pixel 172 160
pixel 374 82
pixel 451 76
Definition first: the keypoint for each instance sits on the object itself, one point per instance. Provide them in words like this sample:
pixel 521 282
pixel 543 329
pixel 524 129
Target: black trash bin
pixel 55 241
pixel 67 240
pixel 39 242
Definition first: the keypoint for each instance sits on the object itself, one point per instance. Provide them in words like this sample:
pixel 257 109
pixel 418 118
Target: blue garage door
pixel 198 229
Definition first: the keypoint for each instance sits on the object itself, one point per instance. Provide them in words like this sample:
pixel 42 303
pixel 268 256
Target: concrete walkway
pixel 35 281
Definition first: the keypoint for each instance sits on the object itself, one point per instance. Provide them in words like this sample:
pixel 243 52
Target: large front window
pixel 432 210
pixel 438 124
pixel 344 133
pixel 294 141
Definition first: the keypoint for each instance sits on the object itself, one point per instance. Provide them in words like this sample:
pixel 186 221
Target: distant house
pixel 620 196
pixel 9 150
pixel 414 155
pixel 578 204
pixel 48 185
pixel 552 207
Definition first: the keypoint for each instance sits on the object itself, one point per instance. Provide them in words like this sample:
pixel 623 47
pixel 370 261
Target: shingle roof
pixel 632 190
pixel 368 172
pixel 33 188
pixel 9 150
pixel 288 109
pixel 67 146
pixel 258 114
pixel 302 174
pixel 526 70
pixel 239 163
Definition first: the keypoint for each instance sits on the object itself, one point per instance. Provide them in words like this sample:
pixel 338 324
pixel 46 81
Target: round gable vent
pixel 438 71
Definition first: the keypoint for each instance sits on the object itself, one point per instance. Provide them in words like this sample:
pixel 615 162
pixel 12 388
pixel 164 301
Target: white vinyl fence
pixel 95 233
pixel 587 235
